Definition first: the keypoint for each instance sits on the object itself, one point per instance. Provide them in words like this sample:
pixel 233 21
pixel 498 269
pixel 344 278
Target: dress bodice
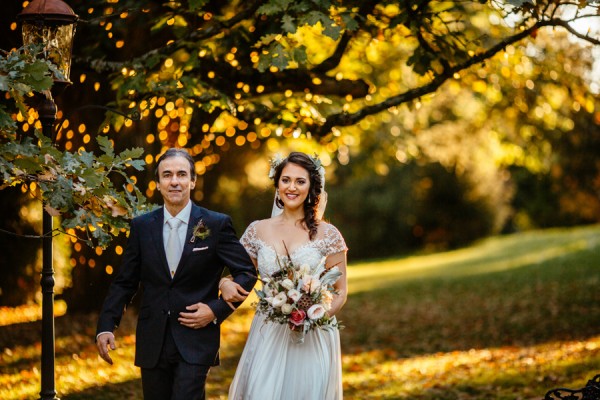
pixel 310 253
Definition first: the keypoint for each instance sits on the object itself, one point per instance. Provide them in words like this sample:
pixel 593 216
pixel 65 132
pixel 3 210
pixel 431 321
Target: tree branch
pixel 47 234
pixel 300 80
pixel 333 61
pixel 346 119
pixel 569 28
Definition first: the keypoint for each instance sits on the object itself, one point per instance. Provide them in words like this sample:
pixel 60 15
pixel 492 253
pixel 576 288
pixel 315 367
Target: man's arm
pixel 239 263
pixel 120 293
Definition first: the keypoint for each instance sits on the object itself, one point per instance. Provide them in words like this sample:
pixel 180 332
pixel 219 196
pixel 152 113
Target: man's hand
pixel 199 316
pixel 103 341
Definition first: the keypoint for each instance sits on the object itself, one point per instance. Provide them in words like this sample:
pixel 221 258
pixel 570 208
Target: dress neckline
pixel 291 253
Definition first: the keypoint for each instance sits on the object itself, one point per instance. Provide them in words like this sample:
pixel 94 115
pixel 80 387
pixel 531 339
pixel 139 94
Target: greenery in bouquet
pixel 299 295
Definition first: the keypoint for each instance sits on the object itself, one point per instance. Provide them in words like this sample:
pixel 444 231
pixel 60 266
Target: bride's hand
pixel 232 291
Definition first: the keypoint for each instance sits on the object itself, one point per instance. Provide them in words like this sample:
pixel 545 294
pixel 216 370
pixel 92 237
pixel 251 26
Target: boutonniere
pixel 201 231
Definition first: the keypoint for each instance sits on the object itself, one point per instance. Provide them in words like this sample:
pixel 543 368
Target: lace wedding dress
pixel 272 366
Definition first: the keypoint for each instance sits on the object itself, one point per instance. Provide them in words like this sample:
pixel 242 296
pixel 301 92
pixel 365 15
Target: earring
pixel 308 199
pixel 278 201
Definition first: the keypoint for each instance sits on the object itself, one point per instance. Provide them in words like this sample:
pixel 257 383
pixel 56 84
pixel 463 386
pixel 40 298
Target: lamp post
pixel 51 23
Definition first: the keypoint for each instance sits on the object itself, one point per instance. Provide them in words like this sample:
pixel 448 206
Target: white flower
pixel 268 290
pixel 287 308
pixel 294 295
pixel 304 269
pixel 279 300
pixel 288 284
pixel 275 161
pixel 310 284
pixel 326 298
pixel 316 311
pixel 305 282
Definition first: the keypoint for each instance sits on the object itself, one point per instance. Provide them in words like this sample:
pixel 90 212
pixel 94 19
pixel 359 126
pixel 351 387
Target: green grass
pixel 508 318
pixel 512 308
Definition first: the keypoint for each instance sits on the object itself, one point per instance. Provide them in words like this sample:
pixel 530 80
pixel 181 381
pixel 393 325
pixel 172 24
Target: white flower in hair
pixel 315 159
pixel 275 161
pixel 319 166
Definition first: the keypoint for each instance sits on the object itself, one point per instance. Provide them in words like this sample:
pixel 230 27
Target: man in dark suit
pixel 176 254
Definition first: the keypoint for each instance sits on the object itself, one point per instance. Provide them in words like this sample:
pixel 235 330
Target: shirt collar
pixel 184 215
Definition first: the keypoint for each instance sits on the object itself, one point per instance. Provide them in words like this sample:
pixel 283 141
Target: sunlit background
pixel 505 147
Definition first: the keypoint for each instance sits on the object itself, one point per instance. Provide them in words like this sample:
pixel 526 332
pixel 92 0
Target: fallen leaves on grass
pixel 484 373
pixel 28 313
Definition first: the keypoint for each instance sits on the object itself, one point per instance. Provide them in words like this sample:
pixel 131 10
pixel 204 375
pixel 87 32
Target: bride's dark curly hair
pixel 311 203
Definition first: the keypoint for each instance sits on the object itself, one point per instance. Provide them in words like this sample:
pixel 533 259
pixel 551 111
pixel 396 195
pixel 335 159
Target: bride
pixel 273 366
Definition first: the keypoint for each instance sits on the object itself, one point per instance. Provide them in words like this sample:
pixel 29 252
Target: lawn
pixel 507 318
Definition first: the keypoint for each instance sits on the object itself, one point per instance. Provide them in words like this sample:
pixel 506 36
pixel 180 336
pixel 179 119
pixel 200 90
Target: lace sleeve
pixel 249 240
pixel 334 241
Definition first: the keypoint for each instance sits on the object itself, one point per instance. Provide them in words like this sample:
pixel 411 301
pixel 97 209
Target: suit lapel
pixel 156 232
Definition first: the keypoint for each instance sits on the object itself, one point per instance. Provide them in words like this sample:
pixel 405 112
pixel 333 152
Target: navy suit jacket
pixel 196 280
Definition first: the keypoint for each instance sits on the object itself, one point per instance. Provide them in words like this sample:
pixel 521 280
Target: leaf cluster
pixel 23 71
pixel 78 186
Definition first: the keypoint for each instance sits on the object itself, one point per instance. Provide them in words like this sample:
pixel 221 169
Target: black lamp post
pixel 51 23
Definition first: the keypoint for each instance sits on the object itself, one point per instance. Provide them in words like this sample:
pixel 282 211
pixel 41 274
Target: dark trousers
pixel 173 378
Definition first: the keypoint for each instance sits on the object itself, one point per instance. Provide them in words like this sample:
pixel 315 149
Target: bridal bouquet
pixel 299 296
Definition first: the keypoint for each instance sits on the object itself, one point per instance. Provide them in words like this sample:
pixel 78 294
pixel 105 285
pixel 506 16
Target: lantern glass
pixel 57 40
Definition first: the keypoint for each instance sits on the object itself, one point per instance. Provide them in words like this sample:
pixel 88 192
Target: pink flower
pixel 294 295
pixel 316 311
pixel 326 298
pixel 297 317
pixel 310 284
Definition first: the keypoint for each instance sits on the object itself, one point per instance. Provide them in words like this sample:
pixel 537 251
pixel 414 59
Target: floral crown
pixel 277 160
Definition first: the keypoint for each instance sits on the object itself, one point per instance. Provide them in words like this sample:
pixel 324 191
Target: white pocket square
pixel 200 248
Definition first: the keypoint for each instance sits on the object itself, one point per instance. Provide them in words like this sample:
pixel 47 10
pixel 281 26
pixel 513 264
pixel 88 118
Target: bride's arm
pixel 341 285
